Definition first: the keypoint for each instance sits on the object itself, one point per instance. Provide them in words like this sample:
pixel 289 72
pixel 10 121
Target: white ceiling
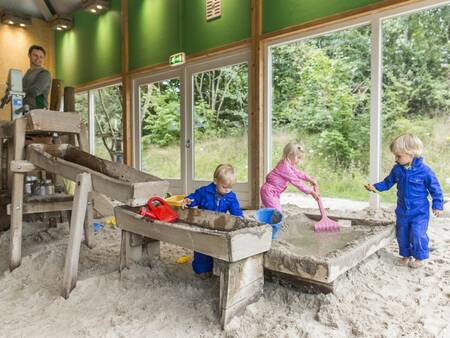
pixel 30 7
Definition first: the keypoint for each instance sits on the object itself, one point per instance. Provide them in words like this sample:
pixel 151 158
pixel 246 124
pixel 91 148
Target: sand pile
pixel 165 299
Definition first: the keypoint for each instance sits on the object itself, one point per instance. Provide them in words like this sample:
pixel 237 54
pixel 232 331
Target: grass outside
pixel 165 161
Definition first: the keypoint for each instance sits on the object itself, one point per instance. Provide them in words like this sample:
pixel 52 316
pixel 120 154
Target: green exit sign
pixel 177 59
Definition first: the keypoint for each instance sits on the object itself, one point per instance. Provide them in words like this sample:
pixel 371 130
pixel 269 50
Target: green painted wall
pixel 199 35
pixel 153 30
pixel 279 14
pixel 92 49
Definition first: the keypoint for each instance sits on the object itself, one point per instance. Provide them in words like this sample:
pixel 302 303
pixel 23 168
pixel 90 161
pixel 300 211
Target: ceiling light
pixel 61 23
pixel 96 7
pixel 12 18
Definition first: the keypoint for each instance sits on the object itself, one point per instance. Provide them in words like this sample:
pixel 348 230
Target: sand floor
pixel 164 299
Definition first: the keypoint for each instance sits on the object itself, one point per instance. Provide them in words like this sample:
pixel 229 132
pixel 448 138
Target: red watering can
pixel 160 210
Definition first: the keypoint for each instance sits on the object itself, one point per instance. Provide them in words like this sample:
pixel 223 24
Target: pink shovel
pixel 325 224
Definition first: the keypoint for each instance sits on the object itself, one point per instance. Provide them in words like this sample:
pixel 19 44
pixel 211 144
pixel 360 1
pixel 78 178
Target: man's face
pixel 36 58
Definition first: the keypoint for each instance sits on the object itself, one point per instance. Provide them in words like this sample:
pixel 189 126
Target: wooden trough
pixel 313 261
pixel 236 244
pixel 115 180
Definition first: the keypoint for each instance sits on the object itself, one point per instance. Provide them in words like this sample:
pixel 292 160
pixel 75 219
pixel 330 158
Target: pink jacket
pixel 283 174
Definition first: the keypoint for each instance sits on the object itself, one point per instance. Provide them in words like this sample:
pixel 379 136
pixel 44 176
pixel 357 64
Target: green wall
pixel 153 30
pixel 199 35
pixel 279 14
pixel 159 28
pixel 92 49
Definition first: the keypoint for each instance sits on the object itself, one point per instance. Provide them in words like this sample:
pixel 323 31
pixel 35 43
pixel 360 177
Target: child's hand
pixel 313 181
pixel 185 202
pixel 370 187
pixel 438 213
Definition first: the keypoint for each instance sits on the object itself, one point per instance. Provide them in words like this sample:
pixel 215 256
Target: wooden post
pixel 69 106
pixel 80 200
pixel 69 99
pixel 56 94
pixel 88 226
pixel 83 139
pixel 241 284
pixel 256 98
pixel 15 247
pixel 126 88
pixel 129 252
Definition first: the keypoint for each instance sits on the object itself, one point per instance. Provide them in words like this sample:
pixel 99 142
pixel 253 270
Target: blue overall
pixel 413 209
pixel 209 199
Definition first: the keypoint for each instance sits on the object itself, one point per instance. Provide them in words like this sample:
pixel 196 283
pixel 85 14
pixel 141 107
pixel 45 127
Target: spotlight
pixel 96 7
pixel 61 23
pixel 12 18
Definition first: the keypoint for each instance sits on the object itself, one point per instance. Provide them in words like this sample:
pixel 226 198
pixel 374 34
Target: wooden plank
pixel 103 205
pixel 246 244
pixel 241 283
pixel 303 284
pixel 88 224
pixel 21 166
pixel 82 189
pixel 209 242
pixel 40 207
pixel 15 247
pixel 226 245
pixel 83 139
pixel 53 121
pixel 56 94
pixel 114 188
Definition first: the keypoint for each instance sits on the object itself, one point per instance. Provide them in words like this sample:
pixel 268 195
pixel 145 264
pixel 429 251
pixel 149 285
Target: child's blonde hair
pixel 292 149
pixel 407 144
pixel 225 173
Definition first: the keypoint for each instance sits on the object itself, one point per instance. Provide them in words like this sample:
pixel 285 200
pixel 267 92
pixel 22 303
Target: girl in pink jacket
pixel 284 173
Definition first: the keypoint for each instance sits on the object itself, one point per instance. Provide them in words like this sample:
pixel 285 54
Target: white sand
pixel 375 299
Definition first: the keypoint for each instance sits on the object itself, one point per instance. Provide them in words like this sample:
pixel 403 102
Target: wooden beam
pixel 40 207
pixel 80 200
pixel 53 121
pixel 15 247
pixel 256 122
pixel 56 95
pixel 88 223
pixel 126 89
pixel 133 188
pixel 21 166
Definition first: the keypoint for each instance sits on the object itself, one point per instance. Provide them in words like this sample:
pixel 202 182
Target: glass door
pixel 218 127
pixel 159 128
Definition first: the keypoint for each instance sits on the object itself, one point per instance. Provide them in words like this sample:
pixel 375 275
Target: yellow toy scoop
pixel 183 259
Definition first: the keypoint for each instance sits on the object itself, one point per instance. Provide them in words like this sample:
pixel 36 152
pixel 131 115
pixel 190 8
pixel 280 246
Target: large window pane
pixel 321 98
pixel 108 123
pixel 160 120
pixel 221 121
pixel 416 87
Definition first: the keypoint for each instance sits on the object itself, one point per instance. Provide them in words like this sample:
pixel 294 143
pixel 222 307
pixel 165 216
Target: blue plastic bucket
pixel 270 216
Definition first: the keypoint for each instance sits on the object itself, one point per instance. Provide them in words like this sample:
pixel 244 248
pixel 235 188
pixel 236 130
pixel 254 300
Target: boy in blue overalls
pixel 414 181
pixel 216 196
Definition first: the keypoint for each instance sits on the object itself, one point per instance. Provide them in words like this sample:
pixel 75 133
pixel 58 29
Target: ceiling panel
pixel 30 7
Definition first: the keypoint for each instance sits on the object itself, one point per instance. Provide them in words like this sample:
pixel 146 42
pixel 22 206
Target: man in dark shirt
pixel 37 80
